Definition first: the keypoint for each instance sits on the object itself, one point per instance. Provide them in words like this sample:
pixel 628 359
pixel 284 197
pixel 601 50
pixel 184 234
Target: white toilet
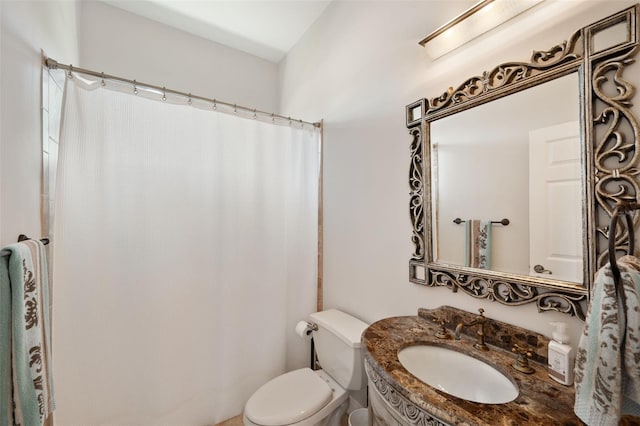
pixel 305 397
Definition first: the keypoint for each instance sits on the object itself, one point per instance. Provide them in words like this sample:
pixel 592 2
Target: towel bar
pixel 504 222
pixel 22 237
pixel 623 208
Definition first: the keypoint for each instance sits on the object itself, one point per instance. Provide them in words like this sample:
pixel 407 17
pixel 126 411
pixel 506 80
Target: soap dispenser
pixel 561 355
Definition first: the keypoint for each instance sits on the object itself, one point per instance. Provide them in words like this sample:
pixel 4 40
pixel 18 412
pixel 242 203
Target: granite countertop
pixel 541 400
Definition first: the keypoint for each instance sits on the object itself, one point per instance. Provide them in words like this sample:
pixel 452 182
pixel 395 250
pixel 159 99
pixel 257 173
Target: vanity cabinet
pixel 380 413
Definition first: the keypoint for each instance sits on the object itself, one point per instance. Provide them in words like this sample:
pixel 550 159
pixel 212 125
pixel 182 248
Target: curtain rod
pixel 53 64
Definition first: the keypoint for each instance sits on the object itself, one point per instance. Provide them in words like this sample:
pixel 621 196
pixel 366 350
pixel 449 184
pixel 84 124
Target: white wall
pixel 27 27
pixel 477 183
pixel 118 42
pixel 357 68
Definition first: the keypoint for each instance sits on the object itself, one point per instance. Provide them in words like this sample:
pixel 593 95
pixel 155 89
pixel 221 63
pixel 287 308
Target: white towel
pixel 607 376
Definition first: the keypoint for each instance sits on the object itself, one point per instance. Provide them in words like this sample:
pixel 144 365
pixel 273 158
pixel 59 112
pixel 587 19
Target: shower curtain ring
pixel 255 116
pixel 235 109
pixel 102 83
pixel 214 104
pixel 135 89
pixel 69 74
pixel 164 93
pixel 189 101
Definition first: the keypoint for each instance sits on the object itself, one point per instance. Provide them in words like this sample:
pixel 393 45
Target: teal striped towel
pixel 478 243
pixel 26 386
pixel 607 371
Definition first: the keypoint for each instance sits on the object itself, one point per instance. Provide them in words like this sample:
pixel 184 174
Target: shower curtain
pixel 185 249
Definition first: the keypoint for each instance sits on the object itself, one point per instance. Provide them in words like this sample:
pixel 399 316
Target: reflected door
pixel 555 203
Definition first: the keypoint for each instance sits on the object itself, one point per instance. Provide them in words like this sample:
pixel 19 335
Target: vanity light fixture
pixel 480 18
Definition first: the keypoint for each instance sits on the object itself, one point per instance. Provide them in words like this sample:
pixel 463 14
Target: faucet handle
pixel 521 350
pixel 481 311
pixel 442 332
pixel 522 360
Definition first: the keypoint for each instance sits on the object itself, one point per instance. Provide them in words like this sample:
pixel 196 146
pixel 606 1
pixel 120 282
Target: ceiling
pixel 264 28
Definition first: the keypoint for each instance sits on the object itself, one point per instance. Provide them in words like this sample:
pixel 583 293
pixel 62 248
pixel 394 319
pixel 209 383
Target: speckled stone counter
pixel 541 400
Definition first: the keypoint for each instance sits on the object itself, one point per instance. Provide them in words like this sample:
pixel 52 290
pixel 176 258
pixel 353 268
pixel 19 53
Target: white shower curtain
pixel 185 249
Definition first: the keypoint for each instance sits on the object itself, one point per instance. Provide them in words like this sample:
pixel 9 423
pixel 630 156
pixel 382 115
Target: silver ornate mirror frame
pixel 611 152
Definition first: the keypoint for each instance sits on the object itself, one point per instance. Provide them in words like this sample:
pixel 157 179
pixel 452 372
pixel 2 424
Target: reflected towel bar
pixel 22 237
pixel 504 222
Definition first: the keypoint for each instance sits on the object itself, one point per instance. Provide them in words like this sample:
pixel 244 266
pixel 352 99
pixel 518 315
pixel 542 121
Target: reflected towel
pixel 26 390
pixel 478 244
pixel 607 370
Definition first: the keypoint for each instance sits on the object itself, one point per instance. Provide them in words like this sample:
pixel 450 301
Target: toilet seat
pixel 289 398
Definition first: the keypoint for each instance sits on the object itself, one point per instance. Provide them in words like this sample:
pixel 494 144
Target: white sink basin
pixel 458 374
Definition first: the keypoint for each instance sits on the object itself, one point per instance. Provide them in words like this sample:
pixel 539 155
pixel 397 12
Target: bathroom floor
pixel 237 421
pixel 233 421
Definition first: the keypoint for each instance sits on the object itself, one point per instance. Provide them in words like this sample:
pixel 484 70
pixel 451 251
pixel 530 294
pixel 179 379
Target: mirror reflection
pixel 512 159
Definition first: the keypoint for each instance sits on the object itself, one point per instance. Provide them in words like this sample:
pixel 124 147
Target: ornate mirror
pixel 514 174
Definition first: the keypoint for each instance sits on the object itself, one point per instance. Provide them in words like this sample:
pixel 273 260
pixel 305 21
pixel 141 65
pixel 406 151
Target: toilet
pixel 306 397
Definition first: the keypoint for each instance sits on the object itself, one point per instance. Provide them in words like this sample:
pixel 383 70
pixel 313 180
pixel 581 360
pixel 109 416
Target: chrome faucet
pixel 480 321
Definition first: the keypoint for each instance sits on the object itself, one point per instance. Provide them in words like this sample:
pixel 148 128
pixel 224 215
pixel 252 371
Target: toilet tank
pixel 337 343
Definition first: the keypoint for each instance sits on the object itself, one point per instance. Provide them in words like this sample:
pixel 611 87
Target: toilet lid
pixel 288 398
